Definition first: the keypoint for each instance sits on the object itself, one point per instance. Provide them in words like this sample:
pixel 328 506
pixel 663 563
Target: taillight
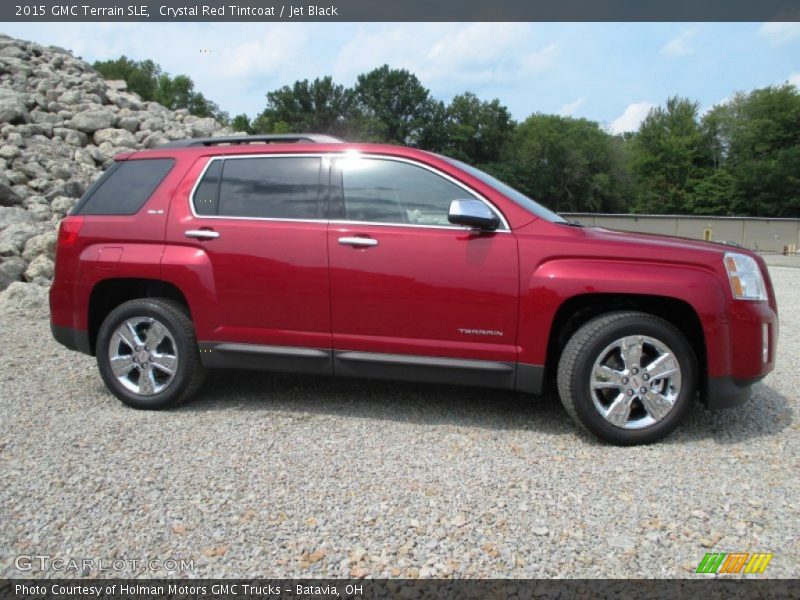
pixel 68 231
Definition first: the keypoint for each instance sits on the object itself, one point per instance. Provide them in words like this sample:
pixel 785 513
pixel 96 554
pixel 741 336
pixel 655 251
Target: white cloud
pixel 631 118
pixel 794 79
pixel 448 56
pixel 780 32
pixel 570 108
pixel 678 46
pixel 538 61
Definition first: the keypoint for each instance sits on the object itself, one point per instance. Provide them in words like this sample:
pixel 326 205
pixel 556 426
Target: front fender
pixel 547 286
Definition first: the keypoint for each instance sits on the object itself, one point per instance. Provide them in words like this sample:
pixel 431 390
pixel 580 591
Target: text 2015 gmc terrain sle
pixel 305 254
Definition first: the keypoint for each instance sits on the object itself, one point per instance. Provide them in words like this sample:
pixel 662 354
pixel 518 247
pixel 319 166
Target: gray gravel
pixel 279 475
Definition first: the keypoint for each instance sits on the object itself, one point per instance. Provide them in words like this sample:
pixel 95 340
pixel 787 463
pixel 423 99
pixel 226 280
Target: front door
pixel 407 287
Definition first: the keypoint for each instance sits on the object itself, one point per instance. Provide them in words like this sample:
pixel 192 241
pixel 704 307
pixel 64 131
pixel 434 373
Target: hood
pixel 659 243
pixel 602 243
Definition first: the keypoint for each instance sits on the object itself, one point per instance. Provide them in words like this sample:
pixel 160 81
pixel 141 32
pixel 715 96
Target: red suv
pixel 302 253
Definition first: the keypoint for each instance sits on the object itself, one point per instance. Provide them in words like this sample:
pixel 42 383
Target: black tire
pixel 189 373
pixel 588 344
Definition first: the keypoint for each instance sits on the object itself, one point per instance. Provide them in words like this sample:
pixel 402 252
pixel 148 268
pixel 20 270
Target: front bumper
pixel 727 392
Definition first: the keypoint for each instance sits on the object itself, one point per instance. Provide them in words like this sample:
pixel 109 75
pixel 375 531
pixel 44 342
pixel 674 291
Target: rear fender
pixel 189 269
pixel 99 262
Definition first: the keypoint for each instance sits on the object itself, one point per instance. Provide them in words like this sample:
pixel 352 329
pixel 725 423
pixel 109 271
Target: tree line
pixel 742 157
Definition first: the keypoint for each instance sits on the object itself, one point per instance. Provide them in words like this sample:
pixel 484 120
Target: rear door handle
pixel 357 241
pixel 202 234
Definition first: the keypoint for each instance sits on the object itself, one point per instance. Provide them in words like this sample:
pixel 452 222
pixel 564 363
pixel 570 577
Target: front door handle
pixel 202 234
pixel 357 241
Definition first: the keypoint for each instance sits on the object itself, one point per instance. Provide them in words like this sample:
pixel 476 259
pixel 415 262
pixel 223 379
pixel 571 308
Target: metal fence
pixel 765 235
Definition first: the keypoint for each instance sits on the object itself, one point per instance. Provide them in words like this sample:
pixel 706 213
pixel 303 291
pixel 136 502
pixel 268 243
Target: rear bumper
pixel 74 339
pixel 727 392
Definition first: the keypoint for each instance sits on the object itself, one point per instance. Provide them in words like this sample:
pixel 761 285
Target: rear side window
pixel 263 187
pixel 125 187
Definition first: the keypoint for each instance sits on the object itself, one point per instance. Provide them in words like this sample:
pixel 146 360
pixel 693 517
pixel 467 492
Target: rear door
pixel 258 223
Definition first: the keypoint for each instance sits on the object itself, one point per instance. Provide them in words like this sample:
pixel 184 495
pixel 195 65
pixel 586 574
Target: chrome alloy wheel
pixel 635 382
pixel 143 356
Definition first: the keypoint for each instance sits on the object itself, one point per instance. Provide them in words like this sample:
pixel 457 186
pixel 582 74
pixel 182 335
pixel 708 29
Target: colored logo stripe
pixel 758 563
pixel 711 562
pixel 734 562
pixel 721 562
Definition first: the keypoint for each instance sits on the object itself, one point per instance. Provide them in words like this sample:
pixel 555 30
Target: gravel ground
pixel 272 475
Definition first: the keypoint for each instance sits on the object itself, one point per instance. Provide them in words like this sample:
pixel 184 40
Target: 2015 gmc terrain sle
pixel 301 253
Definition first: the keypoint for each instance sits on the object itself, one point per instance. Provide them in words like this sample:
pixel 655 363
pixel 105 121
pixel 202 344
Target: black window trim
pixel 336 190
pixel 324 175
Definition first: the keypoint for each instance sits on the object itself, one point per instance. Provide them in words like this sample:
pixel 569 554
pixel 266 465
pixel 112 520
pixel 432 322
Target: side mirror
pixel 472 213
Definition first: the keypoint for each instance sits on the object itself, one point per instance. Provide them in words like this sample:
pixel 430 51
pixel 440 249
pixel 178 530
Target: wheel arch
pixel 107 294
pixel 574 312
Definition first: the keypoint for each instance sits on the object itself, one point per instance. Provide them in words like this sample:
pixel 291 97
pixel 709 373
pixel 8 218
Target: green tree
pixel 568 164
pixel 393 106
pixel 760 132
pixel 476 130
pixel 667 157
pixel 241 123
pixel 320 106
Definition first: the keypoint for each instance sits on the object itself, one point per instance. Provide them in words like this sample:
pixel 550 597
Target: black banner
pixel 407 589
pixel 405 10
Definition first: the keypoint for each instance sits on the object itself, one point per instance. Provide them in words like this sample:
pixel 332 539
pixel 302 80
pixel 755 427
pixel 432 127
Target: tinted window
pixel 386 191
pixel 278 188
pixel 125 187
pixel 206 196
pixel 505 189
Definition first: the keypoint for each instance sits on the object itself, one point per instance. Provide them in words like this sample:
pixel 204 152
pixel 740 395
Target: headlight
pixel 747 283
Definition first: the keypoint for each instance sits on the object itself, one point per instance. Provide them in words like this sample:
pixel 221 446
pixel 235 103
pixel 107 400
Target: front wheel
pixel 628 377
pixel 147 353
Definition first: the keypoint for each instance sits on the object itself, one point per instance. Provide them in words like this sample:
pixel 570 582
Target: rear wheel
pixel 147 353
pixel 628 377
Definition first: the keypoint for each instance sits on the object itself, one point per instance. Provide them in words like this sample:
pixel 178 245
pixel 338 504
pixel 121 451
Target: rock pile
pixel 61 124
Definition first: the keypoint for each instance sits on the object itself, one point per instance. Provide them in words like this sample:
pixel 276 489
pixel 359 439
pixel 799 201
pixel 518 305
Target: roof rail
pixel 235 140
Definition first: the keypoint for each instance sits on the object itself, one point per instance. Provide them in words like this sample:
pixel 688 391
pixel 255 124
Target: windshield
pixel 518 197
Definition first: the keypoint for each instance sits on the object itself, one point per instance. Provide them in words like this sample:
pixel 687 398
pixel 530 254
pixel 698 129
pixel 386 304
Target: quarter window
pixel 125 187
pixel 262 187
pixel 388 191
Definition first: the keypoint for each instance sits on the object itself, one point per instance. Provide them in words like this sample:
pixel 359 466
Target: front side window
pixel 388 191
pixel 262 187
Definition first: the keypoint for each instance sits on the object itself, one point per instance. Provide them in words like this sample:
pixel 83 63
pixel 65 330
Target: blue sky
pixel 609 72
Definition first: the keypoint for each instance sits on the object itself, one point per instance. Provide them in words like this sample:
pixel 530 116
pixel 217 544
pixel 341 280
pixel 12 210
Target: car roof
pixel 285 145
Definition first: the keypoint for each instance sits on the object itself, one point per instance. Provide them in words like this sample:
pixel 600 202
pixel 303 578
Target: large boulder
pixel 115 137
pixel 92 120
pixel 24 297
pixel 11 270
pixel 13 110
pixel 40 267
pixel 8 197
pixel 43 244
